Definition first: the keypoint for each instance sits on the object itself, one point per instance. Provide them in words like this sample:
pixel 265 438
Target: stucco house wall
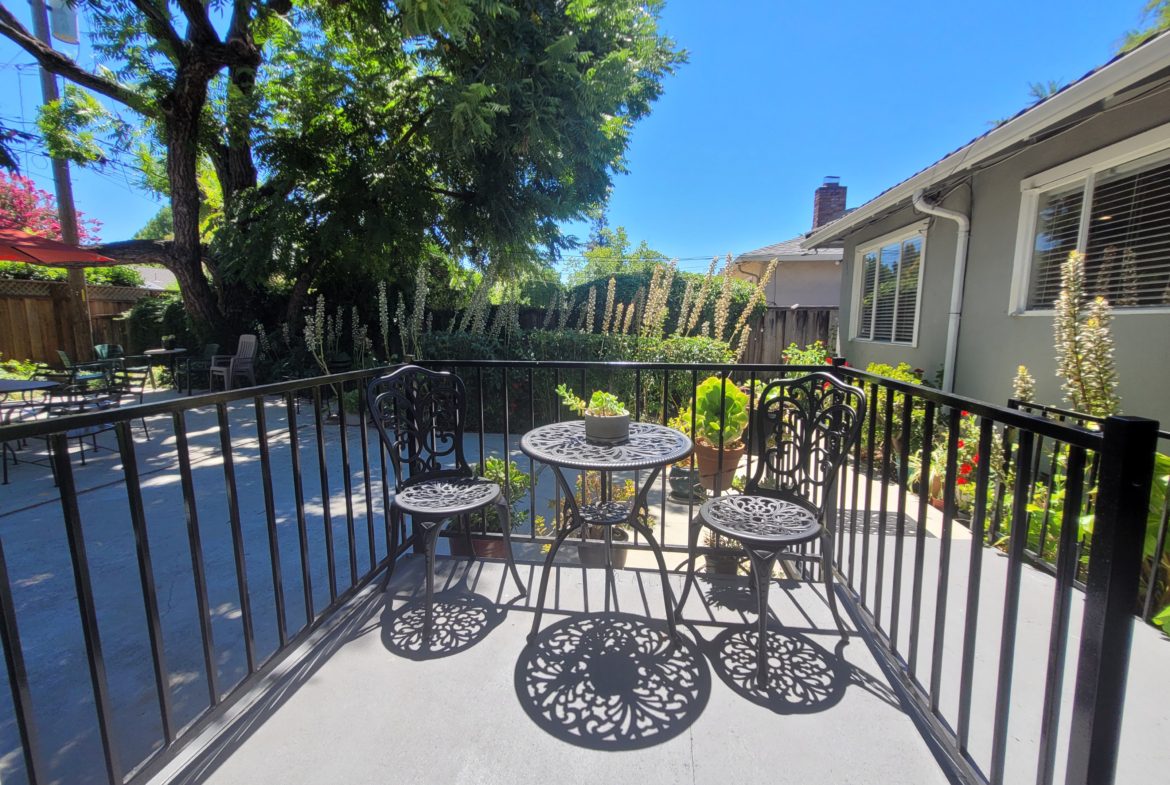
pixel 805 284
pixel 992 340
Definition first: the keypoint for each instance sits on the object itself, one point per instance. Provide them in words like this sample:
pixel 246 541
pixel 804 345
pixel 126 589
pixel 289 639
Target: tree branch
pixel 159 22
pixel 199 27
pixel 55 62
pixel 465 196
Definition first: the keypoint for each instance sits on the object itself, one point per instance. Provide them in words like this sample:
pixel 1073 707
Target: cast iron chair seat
pixel 453 496
pixel 804 429
pixel 760 520
pixel 420 415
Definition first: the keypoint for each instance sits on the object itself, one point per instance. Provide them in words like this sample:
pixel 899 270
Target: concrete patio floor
pixel 372 703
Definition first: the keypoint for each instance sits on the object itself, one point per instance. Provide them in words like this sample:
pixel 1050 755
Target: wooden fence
pixel 32 318
pixel 779 327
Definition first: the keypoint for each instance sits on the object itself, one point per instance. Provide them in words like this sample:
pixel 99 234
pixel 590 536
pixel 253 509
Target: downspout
pixel 956 311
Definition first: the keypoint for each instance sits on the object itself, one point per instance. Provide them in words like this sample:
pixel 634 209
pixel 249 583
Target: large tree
pixel 360 134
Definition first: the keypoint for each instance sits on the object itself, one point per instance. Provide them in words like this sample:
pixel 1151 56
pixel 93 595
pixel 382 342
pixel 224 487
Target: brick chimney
pixel 828 202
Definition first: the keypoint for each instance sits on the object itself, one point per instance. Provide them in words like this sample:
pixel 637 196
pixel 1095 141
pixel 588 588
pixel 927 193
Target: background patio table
pixel 173 354
pixel 563 446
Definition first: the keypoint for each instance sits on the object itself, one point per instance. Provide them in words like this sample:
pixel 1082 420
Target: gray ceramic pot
pixel 607 430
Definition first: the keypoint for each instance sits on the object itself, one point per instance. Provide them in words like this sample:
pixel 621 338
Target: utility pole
pixel 78 331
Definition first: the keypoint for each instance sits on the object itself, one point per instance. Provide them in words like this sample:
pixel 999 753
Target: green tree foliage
pixel 354 138
pixel 1155 19
pixel 609 254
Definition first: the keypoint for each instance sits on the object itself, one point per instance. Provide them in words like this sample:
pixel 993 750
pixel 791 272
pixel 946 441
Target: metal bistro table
pixel 564 446
pixel 24 404
pixel 155 354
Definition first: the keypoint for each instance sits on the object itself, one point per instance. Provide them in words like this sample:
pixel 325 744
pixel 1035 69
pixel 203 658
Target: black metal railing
pixel 917 579
pixel 1156 594
pixel 265 562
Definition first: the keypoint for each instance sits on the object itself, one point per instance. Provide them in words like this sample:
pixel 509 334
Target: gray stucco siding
pixel 934 302
pixel 992 341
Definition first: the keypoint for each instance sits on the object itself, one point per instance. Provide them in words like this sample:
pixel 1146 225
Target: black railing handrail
pixel 1069 413
pixel 40 428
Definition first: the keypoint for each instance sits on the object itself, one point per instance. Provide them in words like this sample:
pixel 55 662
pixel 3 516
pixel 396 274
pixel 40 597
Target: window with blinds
pixel 887 308
pixel 1120 219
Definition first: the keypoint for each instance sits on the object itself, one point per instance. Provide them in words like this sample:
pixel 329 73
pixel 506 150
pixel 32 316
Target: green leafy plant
pixel 601 403
pixel 514 483
pixel 720 401
pixel 16 369
pixel 902 372
pixel 815 353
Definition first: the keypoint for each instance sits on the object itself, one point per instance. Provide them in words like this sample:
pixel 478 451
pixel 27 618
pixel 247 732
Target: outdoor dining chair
pixel 128 386
pixel 804 429
pixel 229 367
pixel 420 417
pixel 83 373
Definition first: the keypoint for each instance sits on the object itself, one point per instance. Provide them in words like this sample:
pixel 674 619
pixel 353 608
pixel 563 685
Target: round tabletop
pixel 564 444
pixel 25 385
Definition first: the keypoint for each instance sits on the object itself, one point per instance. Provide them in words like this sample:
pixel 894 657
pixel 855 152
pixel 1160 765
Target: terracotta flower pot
pixel 486 547
pixel 707 461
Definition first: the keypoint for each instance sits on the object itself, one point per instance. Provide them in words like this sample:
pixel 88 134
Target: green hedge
pixel 94 276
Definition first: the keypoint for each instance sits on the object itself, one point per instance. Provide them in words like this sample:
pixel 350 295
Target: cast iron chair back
pixel 806 427
pixel 420 416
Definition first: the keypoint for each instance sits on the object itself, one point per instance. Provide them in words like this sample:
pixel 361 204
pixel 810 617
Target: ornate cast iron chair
pixel 420 418
pixel 805 429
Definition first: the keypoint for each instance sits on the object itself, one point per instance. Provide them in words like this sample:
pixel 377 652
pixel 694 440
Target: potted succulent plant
pixel 168 342
pixel 721 416
pixel 607 421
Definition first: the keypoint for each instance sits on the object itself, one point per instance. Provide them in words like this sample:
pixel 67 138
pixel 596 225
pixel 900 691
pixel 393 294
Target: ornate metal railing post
pixel 1111 597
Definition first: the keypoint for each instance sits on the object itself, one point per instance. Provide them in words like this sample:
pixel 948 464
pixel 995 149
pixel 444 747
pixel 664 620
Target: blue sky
pixel 777 95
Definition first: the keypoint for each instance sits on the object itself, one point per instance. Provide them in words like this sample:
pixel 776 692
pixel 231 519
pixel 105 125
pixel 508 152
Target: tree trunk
pixel 182 140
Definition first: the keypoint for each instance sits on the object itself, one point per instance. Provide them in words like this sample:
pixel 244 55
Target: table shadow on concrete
pixel 611 682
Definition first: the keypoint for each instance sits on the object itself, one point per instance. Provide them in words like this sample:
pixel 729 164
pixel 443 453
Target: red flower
pixel 965 468
pixel 828 361
pixel 975 459
pixel 963 481
pixel 962 444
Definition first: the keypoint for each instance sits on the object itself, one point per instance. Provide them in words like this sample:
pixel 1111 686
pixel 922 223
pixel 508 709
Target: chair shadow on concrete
pixel 804 676
pixel 462 617
pixel 611 682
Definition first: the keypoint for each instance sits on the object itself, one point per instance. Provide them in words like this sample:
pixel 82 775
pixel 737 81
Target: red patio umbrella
pixel 18 246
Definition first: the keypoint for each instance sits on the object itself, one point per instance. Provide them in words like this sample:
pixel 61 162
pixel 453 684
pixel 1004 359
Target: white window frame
pixel 917 229
pixel 1083 169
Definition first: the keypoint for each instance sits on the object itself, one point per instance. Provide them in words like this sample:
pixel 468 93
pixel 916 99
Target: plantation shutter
pixel 887 293
pixel 865 311
pixel 1058 223
pixel 888 307
pixel 1127 254
pixel 907 308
